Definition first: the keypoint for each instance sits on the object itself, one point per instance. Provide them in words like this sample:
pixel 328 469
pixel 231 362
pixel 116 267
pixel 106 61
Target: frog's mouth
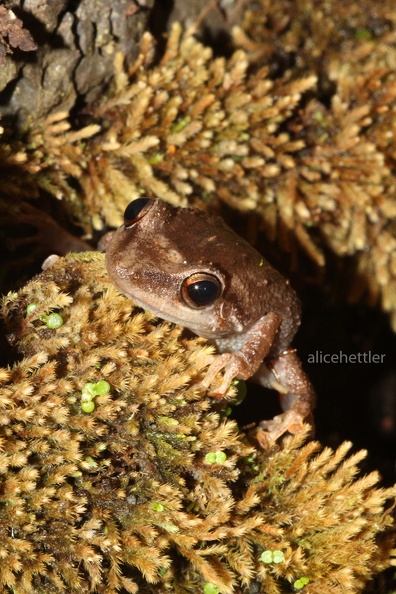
pixel 167 302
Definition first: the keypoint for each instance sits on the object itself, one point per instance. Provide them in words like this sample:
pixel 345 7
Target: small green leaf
pixel 157 506
pixel 88 392
pixel 88 407
pixel 53 321
pixel 363 34
pixel 279 557
pixel 30 308
pixel 178 127
pixel 221 457
pixel 299 584
pixel 155 158
pixel 267 557
pixel 215 457
pixel 101 388
pixel 210 589
pixel 272 556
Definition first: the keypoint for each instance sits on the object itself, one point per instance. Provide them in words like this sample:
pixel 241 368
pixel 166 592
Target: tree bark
pixel 70 61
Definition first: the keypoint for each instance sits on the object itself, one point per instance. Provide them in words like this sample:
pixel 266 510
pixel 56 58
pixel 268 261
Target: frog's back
pixel 252 286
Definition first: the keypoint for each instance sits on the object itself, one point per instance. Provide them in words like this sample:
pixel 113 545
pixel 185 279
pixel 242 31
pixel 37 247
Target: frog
pixel 189 267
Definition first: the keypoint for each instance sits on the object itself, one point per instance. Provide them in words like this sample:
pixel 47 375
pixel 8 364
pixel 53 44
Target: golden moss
pixel 305 136
pixel 291 34
pixel 148 488
pixel 343 180
pixel 192 125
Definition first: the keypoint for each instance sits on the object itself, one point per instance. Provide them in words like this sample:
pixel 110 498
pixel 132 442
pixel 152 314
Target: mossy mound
pixel 118 475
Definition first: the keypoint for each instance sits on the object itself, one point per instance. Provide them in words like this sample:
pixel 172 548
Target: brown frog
pixel 189 267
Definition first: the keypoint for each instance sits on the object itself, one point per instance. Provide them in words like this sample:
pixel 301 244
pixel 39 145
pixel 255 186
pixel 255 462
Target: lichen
pixel 154 489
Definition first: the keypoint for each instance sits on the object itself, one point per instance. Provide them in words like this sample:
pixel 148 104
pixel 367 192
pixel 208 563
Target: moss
pixel 190 126
pixel 298 125
pixel 342 182
pixel 153 490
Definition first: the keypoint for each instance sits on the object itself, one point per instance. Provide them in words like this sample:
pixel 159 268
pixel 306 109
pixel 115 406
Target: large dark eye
pixel 136 210
pixel 200 290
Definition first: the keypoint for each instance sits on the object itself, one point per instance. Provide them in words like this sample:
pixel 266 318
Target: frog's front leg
pixel 244 362
pixel 297 395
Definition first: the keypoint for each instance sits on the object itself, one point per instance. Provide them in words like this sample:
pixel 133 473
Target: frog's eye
pixel 200 290
pixel 136 210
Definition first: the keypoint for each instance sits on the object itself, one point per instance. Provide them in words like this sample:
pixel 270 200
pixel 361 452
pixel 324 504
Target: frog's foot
pixel 289 421
pixel 296 393
pixel 234 365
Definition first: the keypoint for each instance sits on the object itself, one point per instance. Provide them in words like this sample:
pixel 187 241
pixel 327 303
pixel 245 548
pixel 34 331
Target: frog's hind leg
pixel 297 395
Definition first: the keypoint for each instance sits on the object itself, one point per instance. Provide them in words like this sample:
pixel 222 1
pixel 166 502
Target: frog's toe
pixel 209 382
pixel 233 365
pixel 289 421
